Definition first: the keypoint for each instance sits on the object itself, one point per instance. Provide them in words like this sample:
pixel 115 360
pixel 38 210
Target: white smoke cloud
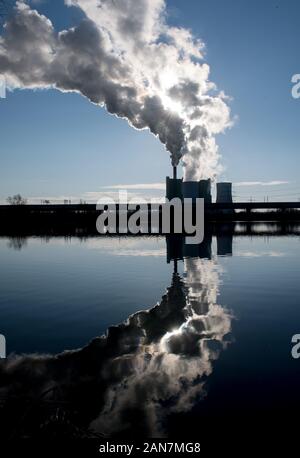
pixel 125 57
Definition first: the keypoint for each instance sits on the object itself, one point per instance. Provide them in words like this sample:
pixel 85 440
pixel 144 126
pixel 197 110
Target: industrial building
pixel 176 187
pixel 224 192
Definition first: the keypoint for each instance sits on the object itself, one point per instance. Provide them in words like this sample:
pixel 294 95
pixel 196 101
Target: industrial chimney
pixel 174 172
pixel 173 186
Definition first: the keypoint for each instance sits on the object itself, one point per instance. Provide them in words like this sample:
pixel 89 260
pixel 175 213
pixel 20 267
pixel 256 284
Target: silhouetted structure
pixel 224 192
pixel 224 245
pixel 173 188
pixel 197 189
pixel 178 249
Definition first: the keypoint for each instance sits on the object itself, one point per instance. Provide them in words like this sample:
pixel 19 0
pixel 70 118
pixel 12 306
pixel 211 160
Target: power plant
pixel 177 188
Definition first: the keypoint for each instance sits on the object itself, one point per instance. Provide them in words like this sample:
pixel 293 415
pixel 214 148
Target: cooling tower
pixel 190 189
pixel 197 189
pixel 205 190
pixel 224 192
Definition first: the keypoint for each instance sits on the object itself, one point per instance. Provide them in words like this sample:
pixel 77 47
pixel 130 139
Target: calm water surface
pixel 207 333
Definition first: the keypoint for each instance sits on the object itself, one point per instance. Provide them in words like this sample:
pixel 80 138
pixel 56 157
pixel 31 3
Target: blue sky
pixel 57 145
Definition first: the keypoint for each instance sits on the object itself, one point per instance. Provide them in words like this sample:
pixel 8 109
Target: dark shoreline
pixel 80 219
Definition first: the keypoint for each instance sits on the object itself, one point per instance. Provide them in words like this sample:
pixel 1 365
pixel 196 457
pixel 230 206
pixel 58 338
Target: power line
pixel 268 195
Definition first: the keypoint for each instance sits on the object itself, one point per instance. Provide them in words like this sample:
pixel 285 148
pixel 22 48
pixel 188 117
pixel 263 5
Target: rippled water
pixel 187 332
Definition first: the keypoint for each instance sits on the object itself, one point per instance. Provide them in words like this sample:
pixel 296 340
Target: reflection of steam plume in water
pixel 125 57
pixel 169 369
pixel 154 364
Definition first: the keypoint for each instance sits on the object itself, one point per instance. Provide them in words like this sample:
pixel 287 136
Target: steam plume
pixel 125 57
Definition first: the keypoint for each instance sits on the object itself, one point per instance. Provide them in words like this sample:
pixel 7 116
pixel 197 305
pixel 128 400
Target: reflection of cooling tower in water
pixel 224 245
pixel 203 250
pixel 178 249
